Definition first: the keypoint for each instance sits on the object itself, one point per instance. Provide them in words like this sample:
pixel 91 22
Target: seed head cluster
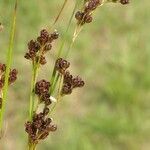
pixel 37 48
pixel 85 16
pixel 70 82
pixel 61 65
pixel 42 88
pixel 40 127
pixel 12 78
pixel 12 75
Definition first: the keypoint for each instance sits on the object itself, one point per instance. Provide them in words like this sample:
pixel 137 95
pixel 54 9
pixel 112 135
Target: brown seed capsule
pixel 88 19
pixel 79 15
pixel 1 103
pixel 43 60
pixel 61 65
pixel 46 111
pixel 124 2
pixel 53 128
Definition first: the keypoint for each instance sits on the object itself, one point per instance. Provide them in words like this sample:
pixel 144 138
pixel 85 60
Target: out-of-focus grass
pixel 112 54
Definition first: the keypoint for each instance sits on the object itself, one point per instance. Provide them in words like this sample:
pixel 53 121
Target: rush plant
pixel 45 95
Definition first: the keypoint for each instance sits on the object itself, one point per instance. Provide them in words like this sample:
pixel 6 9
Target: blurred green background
pixel 112 54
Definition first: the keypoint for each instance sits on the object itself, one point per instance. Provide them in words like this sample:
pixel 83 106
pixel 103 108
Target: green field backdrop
pixel 112 54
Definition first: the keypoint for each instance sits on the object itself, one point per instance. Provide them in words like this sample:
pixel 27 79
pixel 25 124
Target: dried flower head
pixel 71 83
pixel 12 75
pixel 42 88
pixel 85 16
pixel 38 48
pixel 61 65
pixel 40 127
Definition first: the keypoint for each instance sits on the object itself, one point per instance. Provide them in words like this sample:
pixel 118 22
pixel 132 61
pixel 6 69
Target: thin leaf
pixel 8 64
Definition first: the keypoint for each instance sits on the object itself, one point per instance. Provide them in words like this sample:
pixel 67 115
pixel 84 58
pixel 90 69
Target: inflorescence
pixel 41 125
pixel 85 15
pixel 69 81
pixel 37 48
pixel 12 78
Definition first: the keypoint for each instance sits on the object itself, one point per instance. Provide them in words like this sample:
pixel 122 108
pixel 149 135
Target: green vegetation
pixel 112 54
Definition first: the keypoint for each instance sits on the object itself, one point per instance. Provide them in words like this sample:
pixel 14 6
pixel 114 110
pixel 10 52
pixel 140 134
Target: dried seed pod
pixel 89 7
pixel 1 100
pixel 42 87
pixel 88 18
pixel 124 2
pixel 61 65
pixel 43 60
pixel 39 128
pixel 70 82
pixel 79 15
pixel 37 48
pixel 46 111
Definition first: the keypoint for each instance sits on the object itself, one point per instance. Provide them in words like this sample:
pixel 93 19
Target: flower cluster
pixel 85 16
pixel 69 82
pixel 12 75
pixel 38 48
pixel 1 102
pixel 61 65
pixel 42 90
pixel 12 78
pixel 40 127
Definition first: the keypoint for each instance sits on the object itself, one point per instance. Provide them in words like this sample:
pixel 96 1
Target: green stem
pixel 32 92
pixel 54 79
pixel 32 146
pixel 59 96
pixel 9 61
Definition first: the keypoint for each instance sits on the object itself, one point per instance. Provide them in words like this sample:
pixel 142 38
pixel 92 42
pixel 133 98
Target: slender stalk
pixel 55 77
pixel 58 15
pixel 77 31
pixel 60 12
pixel 75 35
pixel 9 61
pixel 35 71
pixel 59 96
pixel 32 93
pixel 32 146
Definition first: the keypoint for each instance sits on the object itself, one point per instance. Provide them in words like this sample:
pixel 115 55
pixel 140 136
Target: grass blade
pixel 8 64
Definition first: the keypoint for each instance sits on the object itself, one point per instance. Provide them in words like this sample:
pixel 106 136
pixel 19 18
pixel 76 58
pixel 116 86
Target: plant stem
pixel 32 93
pixel 60 12
pixel 32 146
pixel 55 77
pixel 59 96
pixel 8 64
